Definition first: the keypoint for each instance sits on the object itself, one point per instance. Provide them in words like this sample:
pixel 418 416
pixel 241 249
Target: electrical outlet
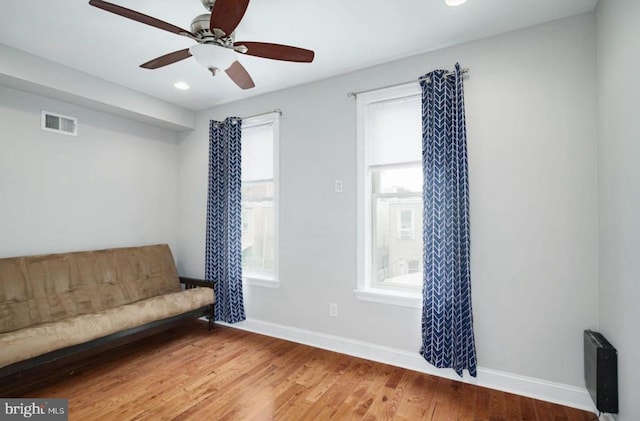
pixel 333 310
pixel 338 186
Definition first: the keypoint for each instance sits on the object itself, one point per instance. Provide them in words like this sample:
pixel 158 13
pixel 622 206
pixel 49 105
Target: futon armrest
pixel 193 282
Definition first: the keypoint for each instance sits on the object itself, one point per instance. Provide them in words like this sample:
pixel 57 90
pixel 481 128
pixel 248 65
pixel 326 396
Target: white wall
pixel 531 111
pixel 26 72
pixel 618 68
pixel 115 184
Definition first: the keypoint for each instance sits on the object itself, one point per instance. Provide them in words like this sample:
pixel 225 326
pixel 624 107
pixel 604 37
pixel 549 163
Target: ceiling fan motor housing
pixel 208 4
pixel 200 28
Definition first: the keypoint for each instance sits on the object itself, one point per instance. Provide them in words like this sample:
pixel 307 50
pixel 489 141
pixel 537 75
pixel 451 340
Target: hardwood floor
pixel 228 374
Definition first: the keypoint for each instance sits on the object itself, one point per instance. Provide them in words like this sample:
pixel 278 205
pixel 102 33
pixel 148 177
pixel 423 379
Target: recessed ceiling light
pixel 181 85
pixel 454 3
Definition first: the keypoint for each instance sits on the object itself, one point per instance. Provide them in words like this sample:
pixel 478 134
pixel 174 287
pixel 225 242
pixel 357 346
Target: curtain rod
pixel 277 110
pixel 447 74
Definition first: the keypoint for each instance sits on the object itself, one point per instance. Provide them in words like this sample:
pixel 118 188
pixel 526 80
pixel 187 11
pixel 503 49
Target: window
pixel 405 224
pixel 260 200
pixel 390 195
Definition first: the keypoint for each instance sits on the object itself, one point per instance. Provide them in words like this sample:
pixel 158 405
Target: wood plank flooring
pixel 228 374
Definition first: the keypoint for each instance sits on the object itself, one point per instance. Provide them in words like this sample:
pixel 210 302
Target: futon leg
pixel 211 316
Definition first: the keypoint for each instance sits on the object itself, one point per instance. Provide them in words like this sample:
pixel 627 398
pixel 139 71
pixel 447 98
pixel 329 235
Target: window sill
pixel 398 298
pixel 261 281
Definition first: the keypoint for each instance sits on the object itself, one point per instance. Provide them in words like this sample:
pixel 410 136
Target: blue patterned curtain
pixel 447 321
pixel 223 256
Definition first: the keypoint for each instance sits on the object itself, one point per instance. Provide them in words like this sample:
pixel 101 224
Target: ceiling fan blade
pixel 240 76
pixel 276 51
pixel 167 59
pixel 137 16
pixel 227 14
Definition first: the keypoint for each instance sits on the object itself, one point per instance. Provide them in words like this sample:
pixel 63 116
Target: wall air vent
pixel 53 122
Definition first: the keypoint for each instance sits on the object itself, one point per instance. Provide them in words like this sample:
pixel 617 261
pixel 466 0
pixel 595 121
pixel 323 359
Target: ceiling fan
pixel 216 46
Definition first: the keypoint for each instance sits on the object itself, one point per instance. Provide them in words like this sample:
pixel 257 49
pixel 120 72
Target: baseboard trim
pixel 575 397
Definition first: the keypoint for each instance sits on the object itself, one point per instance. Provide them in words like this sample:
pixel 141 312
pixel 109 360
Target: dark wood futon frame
pixel 29 374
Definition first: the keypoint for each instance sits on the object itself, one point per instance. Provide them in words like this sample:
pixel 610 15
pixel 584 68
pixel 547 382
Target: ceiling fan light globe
pixel 213 56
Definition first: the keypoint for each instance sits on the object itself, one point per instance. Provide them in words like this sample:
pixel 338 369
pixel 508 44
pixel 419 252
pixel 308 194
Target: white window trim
pixel 384 296
pixel 259 279
pixel 364 290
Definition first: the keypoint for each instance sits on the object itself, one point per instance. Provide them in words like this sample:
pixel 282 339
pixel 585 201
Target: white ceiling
pixel 345 34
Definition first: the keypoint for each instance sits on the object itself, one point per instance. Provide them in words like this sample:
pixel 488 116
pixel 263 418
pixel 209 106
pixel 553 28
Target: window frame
pixel 365 289
pixel 259 279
